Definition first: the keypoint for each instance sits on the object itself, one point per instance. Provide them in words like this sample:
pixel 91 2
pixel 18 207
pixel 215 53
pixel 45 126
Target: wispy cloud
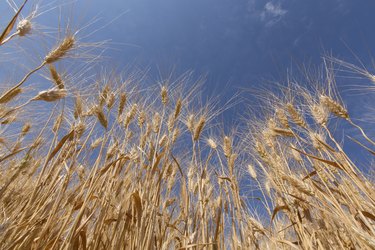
pixel 274 10
pixel 272 13
pixel 268 12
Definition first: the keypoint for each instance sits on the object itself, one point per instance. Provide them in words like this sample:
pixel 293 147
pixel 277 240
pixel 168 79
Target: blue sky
pixel 236 41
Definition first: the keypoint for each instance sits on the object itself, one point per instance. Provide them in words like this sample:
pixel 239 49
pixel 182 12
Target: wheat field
pixel 109 162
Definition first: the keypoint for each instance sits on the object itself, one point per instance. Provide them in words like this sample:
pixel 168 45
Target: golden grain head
pixel 251 170
pixel 295 154
pixel 283 132
pixel 259 147
pixel 198 129
pixel 10 119
pixel 211 142
pixel 299 185
pixel 231 162
pixel 56 77
pixel 269 137
pixel 61 50
pixel 171 122
pixel 79 129
pixel 103 96
pixel 51 95
pixel 130 115
pixel 271 123
pixel 227 146
pixel 175 134
pixel 316 139
pixel 163 140
pixel 78 107
pixel 156 122
pixel 267 186
pixel 164 95
pixel 10 95
pixel 110 100
pixel 57 123
pixel 320 114
pixel 96 143
pixel 112 150
pixel 121 106
pixel 177 110
pixel 24 27
pixel 141 118
pixel 191 123
pixel 81 172
pixel 133 110
pixel 281 116
pixel 101 116
pixel 334 107
pixel 5 111
pixel 148 128
pixel 129 135
pixel 26 128
pixel 142 141
pixel 296 116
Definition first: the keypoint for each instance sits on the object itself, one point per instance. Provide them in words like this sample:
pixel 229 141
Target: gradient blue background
pixel 236 41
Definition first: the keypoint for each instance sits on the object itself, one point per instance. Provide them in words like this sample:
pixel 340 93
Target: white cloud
pixel 272 13
pixel 274 9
